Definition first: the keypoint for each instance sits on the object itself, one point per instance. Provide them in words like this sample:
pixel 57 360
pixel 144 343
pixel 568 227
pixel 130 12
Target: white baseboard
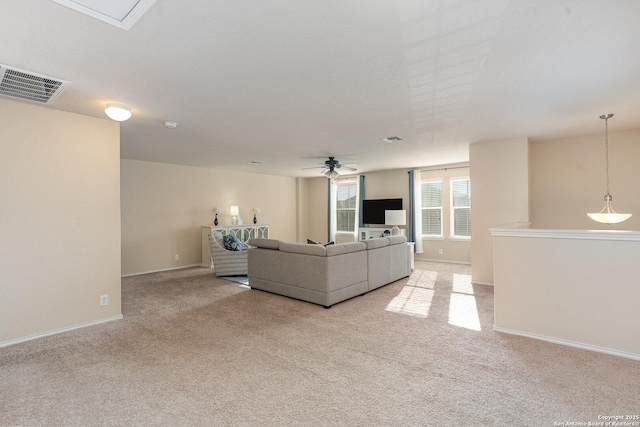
pixel 442 260
pixel 59 331
pixel 569 343
pixel 475 282
pixel 161 270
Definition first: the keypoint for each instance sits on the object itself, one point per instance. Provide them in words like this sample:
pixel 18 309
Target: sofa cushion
pixel 303 248
pixel 377 243
pixel 395 240
pixel 231 243
pixel 345 248
pixel 265 243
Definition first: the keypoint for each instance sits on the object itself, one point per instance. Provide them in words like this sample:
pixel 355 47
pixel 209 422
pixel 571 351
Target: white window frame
pixel 452 209
pixel 355 208
pixel 422 208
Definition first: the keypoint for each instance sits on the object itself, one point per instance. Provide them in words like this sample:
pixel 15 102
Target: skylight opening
pixel 120 13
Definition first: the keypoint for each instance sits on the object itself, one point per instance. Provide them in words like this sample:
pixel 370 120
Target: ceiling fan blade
pixel 333 164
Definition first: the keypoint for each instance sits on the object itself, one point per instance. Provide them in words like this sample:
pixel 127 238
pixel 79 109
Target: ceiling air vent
pixel 21 84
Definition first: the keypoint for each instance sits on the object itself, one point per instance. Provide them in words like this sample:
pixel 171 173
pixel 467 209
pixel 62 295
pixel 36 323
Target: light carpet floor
pixel 196 350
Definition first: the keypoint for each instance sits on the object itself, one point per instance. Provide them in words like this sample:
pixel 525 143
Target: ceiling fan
pixel 329 167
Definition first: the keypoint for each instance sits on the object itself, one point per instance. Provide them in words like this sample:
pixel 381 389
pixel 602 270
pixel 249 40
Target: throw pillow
pixel 231 243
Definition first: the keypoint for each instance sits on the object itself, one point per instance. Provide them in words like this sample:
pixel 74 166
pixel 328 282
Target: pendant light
pixel 607 215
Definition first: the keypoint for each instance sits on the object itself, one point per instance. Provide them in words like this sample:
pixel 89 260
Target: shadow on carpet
pixel 243 280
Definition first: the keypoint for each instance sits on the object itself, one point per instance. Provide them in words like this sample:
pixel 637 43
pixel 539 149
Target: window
pixel 461 208
pixel 347 194
pixel 431 193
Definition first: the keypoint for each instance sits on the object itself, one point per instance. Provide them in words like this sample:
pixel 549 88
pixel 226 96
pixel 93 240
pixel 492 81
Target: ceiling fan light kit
pixel 329 168
pixel 331 174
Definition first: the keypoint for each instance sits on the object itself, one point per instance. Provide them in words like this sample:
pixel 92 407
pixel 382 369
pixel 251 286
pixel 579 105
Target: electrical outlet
pixel 440 251
pixel 177 257
pixel 104 300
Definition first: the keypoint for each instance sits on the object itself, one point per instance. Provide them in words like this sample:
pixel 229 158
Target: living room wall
pixel 313 213
pixel 388 184
pixel 499 197
pixel 60 215
pixel 164 207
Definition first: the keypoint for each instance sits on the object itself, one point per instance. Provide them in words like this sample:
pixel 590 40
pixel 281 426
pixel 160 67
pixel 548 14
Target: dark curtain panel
pixel 361 198
pixel 411 228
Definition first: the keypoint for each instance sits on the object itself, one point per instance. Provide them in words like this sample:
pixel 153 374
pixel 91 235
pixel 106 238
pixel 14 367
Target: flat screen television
pixel 373 209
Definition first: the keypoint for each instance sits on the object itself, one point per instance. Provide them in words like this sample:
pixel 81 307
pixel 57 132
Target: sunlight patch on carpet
pixel 423 279
pixel 462 284
pixel 415 297
pixel 463 310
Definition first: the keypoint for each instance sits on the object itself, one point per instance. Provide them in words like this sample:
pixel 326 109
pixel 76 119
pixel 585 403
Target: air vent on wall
pixel 21 84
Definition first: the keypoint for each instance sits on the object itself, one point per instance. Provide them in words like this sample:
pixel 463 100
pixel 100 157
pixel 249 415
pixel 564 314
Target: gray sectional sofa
pixel 327 275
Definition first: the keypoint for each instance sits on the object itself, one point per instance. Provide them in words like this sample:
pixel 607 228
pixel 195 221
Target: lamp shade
pixel 118 112
pixel 234 211
pixel 395 217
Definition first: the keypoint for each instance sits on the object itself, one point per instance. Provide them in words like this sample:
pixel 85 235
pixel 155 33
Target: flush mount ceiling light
pixel 118 112
pixel 170 125
pixel 607 215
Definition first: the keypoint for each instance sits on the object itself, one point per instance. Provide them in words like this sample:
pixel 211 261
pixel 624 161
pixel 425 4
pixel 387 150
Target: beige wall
pixel 568 179
pixel 577 288
pixel 302 194
pixel 389 184
pixel 164 207
pixel 314 210
pixel 499 196
pixel 60 216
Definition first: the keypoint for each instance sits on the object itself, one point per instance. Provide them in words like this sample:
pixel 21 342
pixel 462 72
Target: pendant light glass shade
pixel 607 215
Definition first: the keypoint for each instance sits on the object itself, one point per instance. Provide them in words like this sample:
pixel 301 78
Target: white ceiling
pixel 289 82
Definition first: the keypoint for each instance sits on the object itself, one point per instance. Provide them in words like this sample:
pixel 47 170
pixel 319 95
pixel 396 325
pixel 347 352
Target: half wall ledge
pixel 574 287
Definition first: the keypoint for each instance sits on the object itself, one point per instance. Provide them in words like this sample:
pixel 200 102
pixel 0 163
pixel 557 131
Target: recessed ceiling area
pixel 290 83
pixel 120 13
